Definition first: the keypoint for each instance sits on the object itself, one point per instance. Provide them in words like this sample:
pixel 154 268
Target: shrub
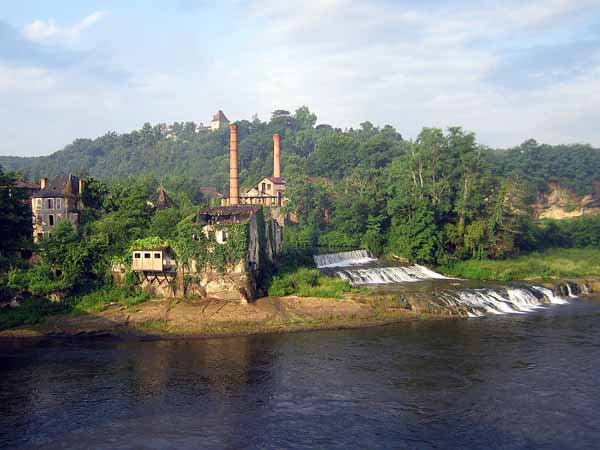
pixel 307 282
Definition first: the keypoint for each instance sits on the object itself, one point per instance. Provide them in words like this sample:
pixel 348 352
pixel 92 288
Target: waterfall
pixel 342 265
pixel 510 300
pixel 554 299
pixel 570 290
pixel 386 275
pixel 343 259
pixel 585 288
pixel 359 267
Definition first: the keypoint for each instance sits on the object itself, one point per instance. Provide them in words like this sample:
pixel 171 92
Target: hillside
pixel 180 157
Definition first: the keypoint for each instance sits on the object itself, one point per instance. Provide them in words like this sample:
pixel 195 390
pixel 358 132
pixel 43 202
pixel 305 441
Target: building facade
pixel 56 201
pixel 219 121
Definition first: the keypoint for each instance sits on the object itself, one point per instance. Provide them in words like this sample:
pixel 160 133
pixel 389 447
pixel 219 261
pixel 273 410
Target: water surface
pixel 515 381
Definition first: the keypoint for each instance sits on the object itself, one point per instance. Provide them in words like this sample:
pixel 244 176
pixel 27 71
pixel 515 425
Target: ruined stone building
pixel 57 200
pixel 236 243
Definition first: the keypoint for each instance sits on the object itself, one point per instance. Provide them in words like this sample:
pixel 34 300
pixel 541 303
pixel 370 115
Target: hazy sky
pixel 507 70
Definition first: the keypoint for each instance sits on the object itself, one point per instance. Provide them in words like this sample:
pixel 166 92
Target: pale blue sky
pixel 508 70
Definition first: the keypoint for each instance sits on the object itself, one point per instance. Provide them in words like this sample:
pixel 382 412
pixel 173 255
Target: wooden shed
pixel 153 260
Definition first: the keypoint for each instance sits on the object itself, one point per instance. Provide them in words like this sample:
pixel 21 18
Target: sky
pixel 508 71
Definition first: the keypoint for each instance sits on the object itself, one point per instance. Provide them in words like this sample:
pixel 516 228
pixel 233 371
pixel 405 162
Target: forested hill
pixel 179 156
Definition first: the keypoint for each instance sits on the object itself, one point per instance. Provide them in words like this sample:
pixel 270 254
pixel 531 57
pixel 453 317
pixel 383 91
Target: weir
pixel 359 267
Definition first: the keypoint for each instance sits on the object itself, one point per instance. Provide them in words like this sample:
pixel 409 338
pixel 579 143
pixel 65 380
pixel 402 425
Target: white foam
pixel 343 259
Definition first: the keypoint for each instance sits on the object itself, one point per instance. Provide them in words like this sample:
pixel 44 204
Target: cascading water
pixel 359 267
pixel 343 263
pixel 343 259
pixel 517 300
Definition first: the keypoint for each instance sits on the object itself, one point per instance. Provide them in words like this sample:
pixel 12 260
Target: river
pixel 517 381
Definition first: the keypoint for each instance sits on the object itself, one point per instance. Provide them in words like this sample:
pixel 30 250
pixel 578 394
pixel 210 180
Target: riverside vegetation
pixel 440 199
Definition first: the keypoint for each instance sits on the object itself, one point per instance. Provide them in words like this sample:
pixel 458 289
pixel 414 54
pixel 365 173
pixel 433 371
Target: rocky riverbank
pixel 203 318
pixel 166 318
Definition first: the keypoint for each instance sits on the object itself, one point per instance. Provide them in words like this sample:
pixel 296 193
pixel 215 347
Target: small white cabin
pixel 155 260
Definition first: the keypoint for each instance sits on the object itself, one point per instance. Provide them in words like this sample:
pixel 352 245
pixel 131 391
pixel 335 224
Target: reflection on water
pixel 525 381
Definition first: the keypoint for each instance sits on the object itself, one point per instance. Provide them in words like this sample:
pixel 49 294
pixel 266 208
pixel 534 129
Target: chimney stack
pixel 234 187
pixel 276 156
pixel 43 182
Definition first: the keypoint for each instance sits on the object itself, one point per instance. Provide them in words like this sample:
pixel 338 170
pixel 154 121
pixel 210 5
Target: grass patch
pixel 155 325
pixel 551 264
pixel 98 300
pixel 307 282
pixel 32 311
pixel 35 310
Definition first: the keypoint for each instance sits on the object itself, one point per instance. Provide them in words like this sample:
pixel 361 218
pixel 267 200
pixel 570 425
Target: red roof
pixel 26 185
pixel 276 180
pixel 220 116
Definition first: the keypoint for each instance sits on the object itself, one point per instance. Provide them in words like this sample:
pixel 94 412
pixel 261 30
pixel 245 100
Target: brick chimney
pixel 234 187
pixel 43 182
pixel 276 156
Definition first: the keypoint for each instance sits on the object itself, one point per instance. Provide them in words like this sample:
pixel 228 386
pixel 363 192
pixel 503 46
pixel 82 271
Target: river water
pixel 512 381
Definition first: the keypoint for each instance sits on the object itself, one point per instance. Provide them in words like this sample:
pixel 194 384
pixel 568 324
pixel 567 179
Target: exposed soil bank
pixel 204 318
pixel 169 318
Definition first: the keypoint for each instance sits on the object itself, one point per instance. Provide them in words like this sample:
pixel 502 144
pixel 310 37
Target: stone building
pixel 239 241
pixel 57 200
pixel 219 121
pixel 251 238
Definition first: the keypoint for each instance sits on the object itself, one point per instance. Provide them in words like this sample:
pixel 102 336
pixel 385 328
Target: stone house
pixel 269 192
pixel 57 200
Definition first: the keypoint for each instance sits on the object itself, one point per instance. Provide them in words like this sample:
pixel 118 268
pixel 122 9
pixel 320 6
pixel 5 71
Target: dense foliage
pixel 15 220
pixel 441 198
pixel 575 166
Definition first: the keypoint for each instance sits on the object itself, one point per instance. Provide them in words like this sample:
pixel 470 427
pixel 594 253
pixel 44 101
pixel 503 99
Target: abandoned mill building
pixel 238 241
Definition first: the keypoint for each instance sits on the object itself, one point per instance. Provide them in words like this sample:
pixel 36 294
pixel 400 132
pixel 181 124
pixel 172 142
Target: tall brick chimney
pixel 234 186
pixel 43 182
pixel 276 156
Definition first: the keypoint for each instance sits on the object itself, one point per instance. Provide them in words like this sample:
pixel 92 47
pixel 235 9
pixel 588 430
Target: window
pixel 268 187
pixel 38 203
pixel 146 255
pixel 137 255
pixel 51 220
pixel 223 236
pixel 50 203
pixel 157 256
pixel 264 187
pixel 57 203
